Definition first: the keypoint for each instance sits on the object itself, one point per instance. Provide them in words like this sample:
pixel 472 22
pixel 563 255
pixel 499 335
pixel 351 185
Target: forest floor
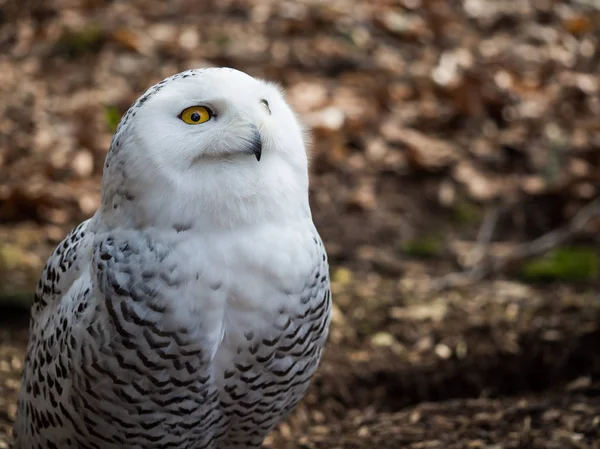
pixel 439 128
pixel 501 365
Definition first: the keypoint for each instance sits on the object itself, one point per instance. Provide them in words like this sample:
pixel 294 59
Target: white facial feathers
pixel 166 158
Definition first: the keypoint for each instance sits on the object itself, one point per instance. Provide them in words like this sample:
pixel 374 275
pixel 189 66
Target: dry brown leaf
pixel 423 151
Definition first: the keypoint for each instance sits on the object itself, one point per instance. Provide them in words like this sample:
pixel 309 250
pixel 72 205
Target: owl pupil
pixel 195 117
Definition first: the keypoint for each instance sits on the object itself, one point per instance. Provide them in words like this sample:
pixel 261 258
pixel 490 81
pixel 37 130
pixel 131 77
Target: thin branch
pixel 484 237
pixel 541 245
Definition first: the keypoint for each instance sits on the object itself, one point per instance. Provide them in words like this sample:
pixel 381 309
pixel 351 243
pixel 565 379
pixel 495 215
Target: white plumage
pixel 191 310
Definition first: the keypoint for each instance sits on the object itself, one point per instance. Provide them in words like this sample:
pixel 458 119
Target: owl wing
pixel 63 286
pixel 142 370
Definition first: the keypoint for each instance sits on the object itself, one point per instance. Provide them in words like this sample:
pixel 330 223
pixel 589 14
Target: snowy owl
pixel 191 310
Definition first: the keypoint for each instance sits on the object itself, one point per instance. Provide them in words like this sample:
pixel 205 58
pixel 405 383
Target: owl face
pixel 209 140
pixel 214 115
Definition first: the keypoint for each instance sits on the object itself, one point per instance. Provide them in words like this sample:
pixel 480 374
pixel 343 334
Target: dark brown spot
pixel 179 227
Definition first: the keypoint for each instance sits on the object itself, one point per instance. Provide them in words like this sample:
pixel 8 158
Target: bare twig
pixel 484 237
pixel 489 265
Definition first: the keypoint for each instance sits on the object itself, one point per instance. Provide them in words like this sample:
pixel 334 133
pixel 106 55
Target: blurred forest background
pixel 455 181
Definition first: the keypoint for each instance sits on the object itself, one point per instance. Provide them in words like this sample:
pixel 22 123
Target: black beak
pixel 256 145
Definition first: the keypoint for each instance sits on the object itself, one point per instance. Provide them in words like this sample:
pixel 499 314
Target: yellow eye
pixel 195 115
